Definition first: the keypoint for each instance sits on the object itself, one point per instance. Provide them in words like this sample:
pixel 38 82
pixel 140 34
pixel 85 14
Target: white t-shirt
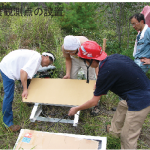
pixel 27 60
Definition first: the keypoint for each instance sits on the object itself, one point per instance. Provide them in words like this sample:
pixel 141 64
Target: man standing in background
pixel 142 44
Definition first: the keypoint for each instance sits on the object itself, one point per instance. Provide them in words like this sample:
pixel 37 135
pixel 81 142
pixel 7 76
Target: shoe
pixel 95 111
pixel 107 128
pixel 114 108
pixel 14 128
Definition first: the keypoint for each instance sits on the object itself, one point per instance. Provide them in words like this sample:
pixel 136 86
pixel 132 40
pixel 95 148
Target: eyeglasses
pixel 134 24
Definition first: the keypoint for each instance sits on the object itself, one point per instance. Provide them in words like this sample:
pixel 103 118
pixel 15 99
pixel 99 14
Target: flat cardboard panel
pixel 60 91
pixel 45 140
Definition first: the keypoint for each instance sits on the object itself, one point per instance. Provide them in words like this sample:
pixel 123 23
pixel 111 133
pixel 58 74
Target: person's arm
pixel 146 61
pixel 23 77
pixel 68 63
pixel 68 68
pixel 96 72
pixel 86 105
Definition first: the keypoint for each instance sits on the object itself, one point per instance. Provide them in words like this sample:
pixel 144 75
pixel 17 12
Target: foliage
pixel 53 4
pixel 110 100
pixel 113 24
pixel 77 17
pixel 114 143
pixel 7 4
pixel 32 32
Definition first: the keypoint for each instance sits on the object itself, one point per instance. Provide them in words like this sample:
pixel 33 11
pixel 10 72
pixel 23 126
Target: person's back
pixel 18 59
pixel 126 79
pixel 146 13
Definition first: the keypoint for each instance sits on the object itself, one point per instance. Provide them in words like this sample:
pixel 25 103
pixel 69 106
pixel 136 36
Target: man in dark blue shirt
pixel 122 76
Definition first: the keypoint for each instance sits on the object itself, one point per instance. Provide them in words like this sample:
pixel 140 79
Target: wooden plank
pixel 71 92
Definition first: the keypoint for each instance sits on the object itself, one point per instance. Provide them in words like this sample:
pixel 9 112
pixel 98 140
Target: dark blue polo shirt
pixel 121 75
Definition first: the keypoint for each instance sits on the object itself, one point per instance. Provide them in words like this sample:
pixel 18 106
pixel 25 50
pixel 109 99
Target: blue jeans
pixel 8 85
pixel 145 68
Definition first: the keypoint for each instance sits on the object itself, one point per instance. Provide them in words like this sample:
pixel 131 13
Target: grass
pixel 35 33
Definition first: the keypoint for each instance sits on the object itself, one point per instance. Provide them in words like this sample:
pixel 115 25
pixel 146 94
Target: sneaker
pixel 95 110
pixel 107 128
pixel 14 128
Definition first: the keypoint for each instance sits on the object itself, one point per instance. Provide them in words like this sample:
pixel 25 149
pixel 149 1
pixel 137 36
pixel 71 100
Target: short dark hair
pixel 89 60
pixel 51 59
pixel 138 16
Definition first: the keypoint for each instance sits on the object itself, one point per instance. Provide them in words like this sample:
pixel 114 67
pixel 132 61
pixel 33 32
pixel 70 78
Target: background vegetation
pixel 45 33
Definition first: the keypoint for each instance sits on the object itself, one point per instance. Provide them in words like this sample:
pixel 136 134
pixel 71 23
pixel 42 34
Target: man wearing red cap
pixel 74 63
pixel 121 75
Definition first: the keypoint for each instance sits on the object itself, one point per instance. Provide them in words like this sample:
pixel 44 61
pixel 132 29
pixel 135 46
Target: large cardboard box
pixel 31 139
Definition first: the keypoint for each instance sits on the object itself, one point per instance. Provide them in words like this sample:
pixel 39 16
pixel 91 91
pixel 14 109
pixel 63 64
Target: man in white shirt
pixel 21 64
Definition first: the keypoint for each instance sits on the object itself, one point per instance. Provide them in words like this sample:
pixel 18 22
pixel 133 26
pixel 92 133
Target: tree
pixel 78 16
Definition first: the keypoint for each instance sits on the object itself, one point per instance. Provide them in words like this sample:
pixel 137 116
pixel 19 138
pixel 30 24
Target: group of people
pixel 117 73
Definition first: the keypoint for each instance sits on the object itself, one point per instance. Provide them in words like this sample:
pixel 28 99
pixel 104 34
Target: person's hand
pixel 24 94
pixel 72 111
pixel 94 87
pixel 146 61
pixel 66 77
